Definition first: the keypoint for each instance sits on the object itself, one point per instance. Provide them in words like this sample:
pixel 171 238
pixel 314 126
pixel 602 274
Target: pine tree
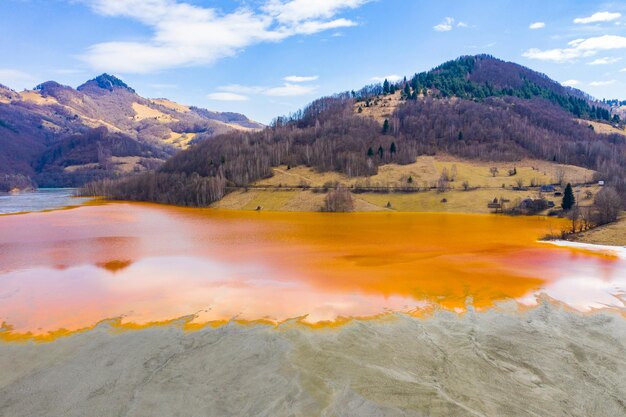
pixel 386 87
pixel 370 152
pixel 380 152
pixel 392 148
pixel 407 90
pixel 460 137
pixel 568 197
pixel 386 126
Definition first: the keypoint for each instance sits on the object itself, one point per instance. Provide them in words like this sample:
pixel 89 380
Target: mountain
pixel 476 107
pixel 482 76
pixel 58 135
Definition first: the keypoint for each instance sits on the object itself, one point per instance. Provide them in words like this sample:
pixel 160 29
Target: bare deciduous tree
pixel 339 200
pixel 560 176
pixel 608 205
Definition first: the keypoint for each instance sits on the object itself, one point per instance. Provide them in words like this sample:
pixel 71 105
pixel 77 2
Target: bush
pixel 608 205
pixel 339 200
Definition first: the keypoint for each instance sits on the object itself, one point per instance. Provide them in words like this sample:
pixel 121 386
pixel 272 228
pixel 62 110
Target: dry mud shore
pixel 542 362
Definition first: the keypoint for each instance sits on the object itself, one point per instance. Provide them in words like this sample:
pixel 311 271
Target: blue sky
pixel 266 58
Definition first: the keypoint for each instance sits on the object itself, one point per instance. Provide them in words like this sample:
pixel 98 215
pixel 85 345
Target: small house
pixel 526 204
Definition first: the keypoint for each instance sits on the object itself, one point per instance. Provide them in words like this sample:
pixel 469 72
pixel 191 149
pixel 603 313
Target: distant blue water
pixel 42 199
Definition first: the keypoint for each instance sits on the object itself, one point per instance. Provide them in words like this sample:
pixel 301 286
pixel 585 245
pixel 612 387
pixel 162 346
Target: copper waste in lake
pixel 71 269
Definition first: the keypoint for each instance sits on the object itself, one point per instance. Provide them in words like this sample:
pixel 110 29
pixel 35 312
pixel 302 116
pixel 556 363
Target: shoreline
pixel 187 323
pixel 619 250
pixel 506 362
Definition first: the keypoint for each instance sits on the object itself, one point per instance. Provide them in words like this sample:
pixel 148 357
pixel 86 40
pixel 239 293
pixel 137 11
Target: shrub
pixel 339 200
pixel 608 205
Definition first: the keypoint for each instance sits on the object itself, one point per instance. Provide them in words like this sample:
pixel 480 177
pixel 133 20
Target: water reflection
pixel 71 269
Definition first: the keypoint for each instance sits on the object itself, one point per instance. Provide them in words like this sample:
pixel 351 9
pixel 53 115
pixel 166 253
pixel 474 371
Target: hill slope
pixel 474 108
pixel 64 136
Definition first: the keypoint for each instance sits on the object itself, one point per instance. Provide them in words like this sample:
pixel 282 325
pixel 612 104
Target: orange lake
pixel 70 269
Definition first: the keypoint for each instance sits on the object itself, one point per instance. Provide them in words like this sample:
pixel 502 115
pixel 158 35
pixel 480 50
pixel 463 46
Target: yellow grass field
pixel 180 140
pixel 144 112
pixel 37 98
pixel 425 172
pixel 427 169
pixel 611 234
pixel 381 108
pixel 602 127
pixel 474 201
pixel 172 105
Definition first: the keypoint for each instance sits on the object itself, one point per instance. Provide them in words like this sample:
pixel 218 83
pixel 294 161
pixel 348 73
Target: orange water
pixel 71 269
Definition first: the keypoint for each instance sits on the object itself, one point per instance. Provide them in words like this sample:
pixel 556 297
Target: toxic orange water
pixel 71 269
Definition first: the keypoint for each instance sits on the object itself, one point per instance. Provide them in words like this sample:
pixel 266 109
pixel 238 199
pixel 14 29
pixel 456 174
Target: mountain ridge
pixel 37 126
pixel 481 76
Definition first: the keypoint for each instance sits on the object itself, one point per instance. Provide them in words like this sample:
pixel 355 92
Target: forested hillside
pixel 56 135
pixel 474 107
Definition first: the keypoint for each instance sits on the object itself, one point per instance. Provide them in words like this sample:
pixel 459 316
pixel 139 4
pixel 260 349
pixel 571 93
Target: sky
pixel 267 58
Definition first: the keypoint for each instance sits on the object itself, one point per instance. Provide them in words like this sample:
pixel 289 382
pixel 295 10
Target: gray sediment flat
pixel 543 362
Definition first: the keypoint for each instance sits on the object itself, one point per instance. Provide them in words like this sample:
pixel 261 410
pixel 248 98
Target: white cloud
pixel 605 61
pixel 601 83
pixel 571 83
pixel 300 79
pixel 537 25
pixel 223 96
pixel 185 34
pixel 237 92
pixel 605 42
pixel 598 17
pixel 391 78
pixel 576 42
pixel 241 89
pixel 622 70
pixel 15 78
pixel 311 27
pixel 289 90
pixel 294 12
pixel 555 55
pixel 578 48
pixel 445 25
pixel 462 25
